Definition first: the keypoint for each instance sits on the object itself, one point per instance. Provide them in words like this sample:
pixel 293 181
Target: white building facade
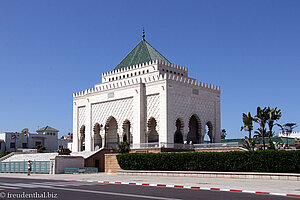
pixel 290 135
pixel 46 136
pixel 145 99
pixel 64 143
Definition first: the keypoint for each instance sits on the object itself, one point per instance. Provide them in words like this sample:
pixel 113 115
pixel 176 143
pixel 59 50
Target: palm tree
pixel 261 118
pixel 261 133
pixel 273 115
pixel 248 125
pixel 288 130
pixel 289 127
pixel 223 134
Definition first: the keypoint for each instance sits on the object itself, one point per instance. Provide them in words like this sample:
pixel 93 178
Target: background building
pixel 66 141
pixel 2 145
pixel 69 136
pixel 46 136
pixel 291 135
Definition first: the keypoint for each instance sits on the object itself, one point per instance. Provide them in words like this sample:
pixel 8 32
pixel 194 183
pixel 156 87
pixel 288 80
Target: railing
pixel 112 145
pixel 216 145
pixel 183 146
pixel 39 167
pixel 144 145
pixel 160 145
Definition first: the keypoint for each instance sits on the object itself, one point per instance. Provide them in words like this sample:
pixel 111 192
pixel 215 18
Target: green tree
pixel 223 134
pixel 261 118
pixel 248 126
pixel 273 115
pixel 288 129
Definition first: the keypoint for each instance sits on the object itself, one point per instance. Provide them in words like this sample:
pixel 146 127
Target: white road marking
pixel 33 185
pixel 226 190
pixel 247 191
pixel 115 193
pixel 8 187
pixel 56 185
pixel 64 183
pixel 49 183
pixel 25 185
pixel 279 194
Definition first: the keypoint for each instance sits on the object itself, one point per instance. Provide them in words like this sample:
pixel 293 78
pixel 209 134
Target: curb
pixel 214 174
pixel 189 187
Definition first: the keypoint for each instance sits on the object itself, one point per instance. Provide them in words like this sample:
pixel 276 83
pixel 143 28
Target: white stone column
pixel 75 145
pixel 88 128
pixel 139 126
pixel 92 140
pixel 120 131
pixel 102 133
pixel 186 129
pixel 163 121
pixel 217 121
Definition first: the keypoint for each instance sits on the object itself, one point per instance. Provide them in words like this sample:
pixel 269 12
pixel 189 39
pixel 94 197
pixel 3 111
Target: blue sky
pixel 50 49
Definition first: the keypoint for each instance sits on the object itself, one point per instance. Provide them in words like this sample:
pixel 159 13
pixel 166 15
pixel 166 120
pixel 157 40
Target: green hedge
pixel 235 161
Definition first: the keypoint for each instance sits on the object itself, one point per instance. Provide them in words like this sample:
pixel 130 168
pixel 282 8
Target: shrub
pixel 239 161
pixel 64 151
pixel 40 148
pixel 123 147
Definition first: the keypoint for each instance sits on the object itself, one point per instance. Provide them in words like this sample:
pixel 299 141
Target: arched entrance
pixel 111 133
pixel 178 136
pixel 208 138
pixel 194 130
pixel 127 137
pixel 152 133
pixel 82 138
pixel 97 137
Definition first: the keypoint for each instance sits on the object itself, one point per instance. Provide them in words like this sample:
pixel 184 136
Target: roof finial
pixel 143 33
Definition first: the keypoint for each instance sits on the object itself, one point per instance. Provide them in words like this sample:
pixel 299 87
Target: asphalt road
pixel 71 190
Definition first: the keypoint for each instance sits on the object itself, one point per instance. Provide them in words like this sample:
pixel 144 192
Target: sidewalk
pixel 271 186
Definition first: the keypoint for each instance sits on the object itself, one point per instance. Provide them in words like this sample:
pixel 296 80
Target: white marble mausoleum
pixel 145 100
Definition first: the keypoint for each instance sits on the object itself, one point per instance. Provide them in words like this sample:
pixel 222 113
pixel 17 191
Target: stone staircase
pixel 85 154
pixel 31 156
pixel 12 154
pixel 22 156
pixel 7 156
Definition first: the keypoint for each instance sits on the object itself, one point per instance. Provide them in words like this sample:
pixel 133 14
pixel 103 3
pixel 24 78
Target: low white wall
pixel 59 163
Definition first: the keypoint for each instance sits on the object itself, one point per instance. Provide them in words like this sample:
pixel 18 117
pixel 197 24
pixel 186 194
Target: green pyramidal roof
pixel 142 53
pixel 47 128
